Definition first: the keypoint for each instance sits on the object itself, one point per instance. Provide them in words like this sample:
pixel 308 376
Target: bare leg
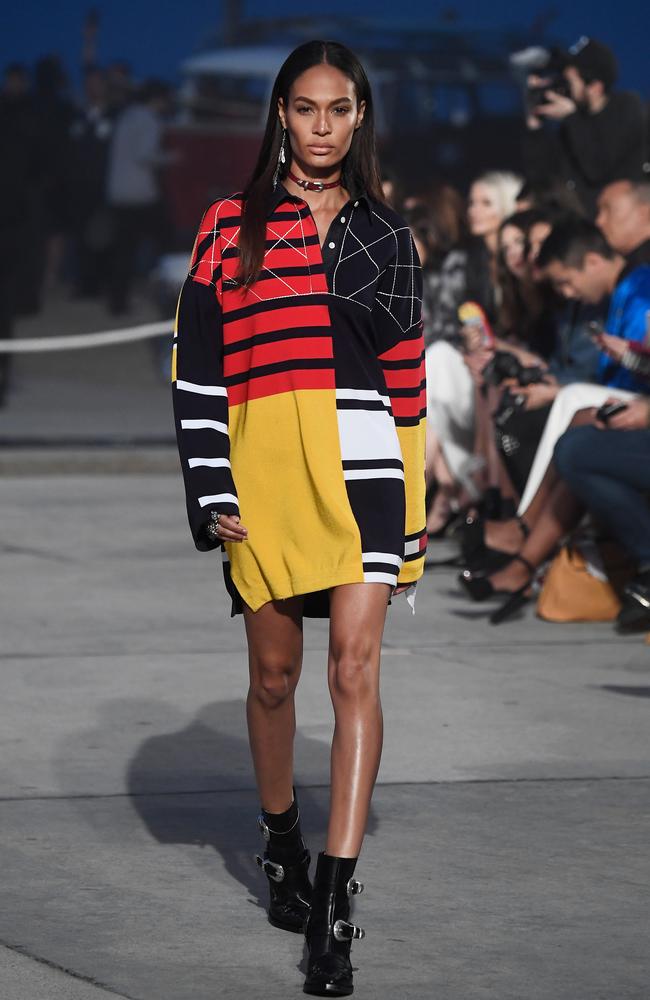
pixel 437 471
pixel 507 535
pixel 274 635
pixel 357 617
pixel 562 514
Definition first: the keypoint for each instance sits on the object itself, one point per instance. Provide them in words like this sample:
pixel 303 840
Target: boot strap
pixel 270 868
pixel 278 872
pixel 345 931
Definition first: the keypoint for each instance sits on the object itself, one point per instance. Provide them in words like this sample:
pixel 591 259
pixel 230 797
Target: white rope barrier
pixel 28 345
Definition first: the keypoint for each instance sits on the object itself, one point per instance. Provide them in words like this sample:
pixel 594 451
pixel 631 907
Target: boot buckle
pixel 272 870
pixel 263 828
pixel 344 931
pixel 354 887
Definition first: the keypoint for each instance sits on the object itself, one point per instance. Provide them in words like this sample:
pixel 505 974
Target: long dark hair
pixel 360 170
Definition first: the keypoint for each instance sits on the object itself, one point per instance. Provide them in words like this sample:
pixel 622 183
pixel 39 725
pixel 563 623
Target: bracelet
pixel 212 528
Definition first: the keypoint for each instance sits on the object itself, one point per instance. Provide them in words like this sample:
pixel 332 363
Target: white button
pixel 332 246
pixel 356 203
pixel 342 218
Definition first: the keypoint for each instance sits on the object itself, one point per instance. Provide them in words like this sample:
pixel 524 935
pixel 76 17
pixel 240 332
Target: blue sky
pixel 154 37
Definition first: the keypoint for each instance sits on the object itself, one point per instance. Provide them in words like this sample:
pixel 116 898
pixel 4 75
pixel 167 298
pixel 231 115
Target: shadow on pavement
pixel 215 745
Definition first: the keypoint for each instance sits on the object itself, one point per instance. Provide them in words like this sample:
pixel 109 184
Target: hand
pixel 476 362
pixel 472 335
pixel 635 418
pixel 614 346
pixel 231 530
pixel 533 121
pixel 537 395
pixel 557 106
pixel 400 588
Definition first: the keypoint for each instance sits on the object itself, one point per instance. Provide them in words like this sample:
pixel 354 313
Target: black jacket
pixel 589 151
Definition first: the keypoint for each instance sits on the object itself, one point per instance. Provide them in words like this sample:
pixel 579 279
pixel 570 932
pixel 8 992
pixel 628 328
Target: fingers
pixel 231 530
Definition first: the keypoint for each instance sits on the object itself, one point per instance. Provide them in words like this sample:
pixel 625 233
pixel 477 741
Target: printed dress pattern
pixel 300 401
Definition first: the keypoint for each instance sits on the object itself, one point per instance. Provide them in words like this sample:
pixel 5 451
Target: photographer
pixel 601 134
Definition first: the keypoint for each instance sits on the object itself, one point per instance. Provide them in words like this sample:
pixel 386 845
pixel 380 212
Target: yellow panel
pixel 411 441
pixel 286 463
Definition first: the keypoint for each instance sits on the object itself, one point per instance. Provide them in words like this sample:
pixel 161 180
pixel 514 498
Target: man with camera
pixel 600 134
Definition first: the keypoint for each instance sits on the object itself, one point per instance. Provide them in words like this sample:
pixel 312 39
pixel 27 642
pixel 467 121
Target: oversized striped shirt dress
pixel 300 401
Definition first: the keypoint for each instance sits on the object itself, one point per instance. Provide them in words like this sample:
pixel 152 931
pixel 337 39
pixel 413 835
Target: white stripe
pixel 382 557
pixel 411 547
pixel 208 425
pixel 204 390
pixel 373 474
pixel 211 463
pixel 219 498
pixel 370 394
pixel 380 578
pixel 367 434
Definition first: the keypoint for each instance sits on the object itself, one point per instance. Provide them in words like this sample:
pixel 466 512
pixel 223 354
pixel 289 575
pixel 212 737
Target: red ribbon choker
pixel 313 185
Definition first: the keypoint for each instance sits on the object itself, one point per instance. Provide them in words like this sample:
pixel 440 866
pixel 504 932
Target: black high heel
pixel 515 602
pixel 290 890
pixel 476 554
pixel 480 588
pixel 328 931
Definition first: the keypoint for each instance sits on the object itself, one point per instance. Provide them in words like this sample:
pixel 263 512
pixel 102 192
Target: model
pixel 300 402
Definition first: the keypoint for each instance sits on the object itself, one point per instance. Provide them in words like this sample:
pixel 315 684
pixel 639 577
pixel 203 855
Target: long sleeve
pixel 400 349
pixel 606 145
pixel 199 393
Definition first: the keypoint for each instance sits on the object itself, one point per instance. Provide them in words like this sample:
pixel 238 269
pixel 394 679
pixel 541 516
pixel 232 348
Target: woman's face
pixel 483 214
pixel 512 244
pixel 321 117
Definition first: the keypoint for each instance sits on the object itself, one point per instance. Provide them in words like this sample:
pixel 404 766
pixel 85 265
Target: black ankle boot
pixel 286 863
pixel 329 932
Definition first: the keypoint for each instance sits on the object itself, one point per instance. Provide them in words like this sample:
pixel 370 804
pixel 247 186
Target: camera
pixel 537 95
pixel 506 365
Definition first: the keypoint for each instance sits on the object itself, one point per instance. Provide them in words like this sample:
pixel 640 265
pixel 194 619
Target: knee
pixel 353 671
pixel 572 451
pixel 273 680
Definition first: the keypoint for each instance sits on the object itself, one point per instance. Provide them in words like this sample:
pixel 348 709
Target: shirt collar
pixel 281 194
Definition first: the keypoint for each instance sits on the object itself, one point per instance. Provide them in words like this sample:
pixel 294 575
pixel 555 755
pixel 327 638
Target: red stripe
pixel 406 350
pixel 407 378
pixel 282 350
pixel 272 385
pixel 267 321
pixel 409 407
pixel 280 287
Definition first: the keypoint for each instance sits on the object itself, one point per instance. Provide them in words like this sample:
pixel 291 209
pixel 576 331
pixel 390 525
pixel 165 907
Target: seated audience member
pixel 609 471
pixel 581 264
pixel 469 272
pixel 559 332
pixel 601 134
pixel 624 219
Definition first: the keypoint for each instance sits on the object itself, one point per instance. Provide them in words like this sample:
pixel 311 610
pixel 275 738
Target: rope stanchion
pixel 75 342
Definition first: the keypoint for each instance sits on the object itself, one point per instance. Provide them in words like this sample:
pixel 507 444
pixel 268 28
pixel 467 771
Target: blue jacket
pixel 629 317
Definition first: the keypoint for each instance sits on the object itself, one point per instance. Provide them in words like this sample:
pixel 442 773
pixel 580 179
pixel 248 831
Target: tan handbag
pixel 576 590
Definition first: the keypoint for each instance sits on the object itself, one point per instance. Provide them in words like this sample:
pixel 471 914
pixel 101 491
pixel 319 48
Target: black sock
pixel 285 838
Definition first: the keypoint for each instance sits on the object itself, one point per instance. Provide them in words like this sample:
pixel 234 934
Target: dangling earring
pixel 282 159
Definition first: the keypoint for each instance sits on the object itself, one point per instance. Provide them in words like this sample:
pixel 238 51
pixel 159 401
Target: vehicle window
pixel 228 98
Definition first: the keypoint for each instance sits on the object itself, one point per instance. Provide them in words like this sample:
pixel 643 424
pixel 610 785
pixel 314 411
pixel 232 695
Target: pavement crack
pixel 444 782
pixel 19 949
